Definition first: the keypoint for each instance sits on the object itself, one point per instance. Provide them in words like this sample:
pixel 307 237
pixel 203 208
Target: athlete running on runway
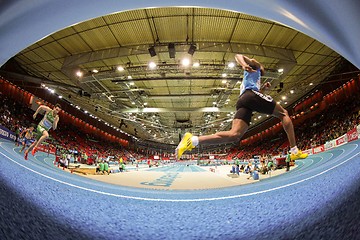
pixel 29 134
pixel 250 99
pixel 50 120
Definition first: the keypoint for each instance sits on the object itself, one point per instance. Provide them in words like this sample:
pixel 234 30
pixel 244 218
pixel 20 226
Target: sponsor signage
pixel 45 149
pixel 341 140
pixel 330 144
pixel 7 134
pixel 352 135
pixel 308 151
pixel 318 149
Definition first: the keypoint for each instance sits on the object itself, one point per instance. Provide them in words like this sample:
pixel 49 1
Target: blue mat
pixel 320 199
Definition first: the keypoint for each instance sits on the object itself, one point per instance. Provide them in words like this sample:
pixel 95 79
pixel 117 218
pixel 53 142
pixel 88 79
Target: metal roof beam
pixel 250 49
pixel 163 110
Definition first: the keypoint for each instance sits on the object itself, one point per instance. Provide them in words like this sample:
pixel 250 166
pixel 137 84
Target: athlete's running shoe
pixel 299 155
pixel 184 145
pixel 26 155
pixel 34 151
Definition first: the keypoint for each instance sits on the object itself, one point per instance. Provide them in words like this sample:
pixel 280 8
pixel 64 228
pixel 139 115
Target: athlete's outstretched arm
pixel 24 131
pixel 41 107
pixel 250 65
pixel 56 120
pixel 247 63
pixel 265 86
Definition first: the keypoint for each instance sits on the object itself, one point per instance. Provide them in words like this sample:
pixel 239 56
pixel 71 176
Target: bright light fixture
pixel 231 64
pixel 152 65
pixel 120 68
pixel 224 75
pixel 185 62
pixel 79 74
pixel 196 64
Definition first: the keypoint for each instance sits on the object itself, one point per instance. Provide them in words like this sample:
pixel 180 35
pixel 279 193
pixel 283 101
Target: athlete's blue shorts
pixel 26 142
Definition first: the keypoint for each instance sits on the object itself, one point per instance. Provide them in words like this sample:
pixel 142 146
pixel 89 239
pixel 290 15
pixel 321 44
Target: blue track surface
pixel 320 199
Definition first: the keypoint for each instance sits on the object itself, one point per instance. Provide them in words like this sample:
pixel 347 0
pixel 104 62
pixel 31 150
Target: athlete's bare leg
pixel 239 127
pixel 288 126
pixel 35 144
pixel 23 146
pixel 44 136
pixel 31 146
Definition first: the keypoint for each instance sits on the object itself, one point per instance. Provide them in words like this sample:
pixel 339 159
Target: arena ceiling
pixel 117 83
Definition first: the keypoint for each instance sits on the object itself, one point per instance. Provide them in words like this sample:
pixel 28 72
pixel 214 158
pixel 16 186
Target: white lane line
pixel 182 200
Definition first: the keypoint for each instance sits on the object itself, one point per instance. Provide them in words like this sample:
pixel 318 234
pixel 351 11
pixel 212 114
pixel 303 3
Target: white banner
pixel 330 144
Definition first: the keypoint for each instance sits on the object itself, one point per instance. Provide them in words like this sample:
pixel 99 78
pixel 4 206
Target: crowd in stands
pixel 336 120
pixel 13 114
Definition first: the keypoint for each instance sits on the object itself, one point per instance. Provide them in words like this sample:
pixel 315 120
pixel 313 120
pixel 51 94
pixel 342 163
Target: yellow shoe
pixel 184 145
pixel 299 155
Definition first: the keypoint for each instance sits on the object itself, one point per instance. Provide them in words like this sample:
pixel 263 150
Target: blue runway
pixel 320 199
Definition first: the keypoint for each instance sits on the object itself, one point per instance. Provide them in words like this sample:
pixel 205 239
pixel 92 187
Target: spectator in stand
pixel 106 167
pixel 68 156
pixel 262 160
pixel 247 169
pixel 237 166
pixel 100 168
pixel 242 167
pixel 64 162
pixel 251 169
pixel 85 157
pixel 264 169
pixel 122 167
pixel 270 165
